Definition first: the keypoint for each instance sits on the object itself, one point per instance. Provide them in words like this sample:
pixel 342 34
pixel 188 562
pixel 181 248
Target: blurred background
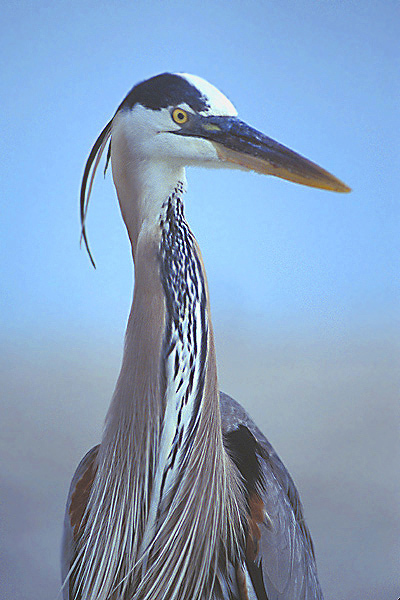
pixel 303 283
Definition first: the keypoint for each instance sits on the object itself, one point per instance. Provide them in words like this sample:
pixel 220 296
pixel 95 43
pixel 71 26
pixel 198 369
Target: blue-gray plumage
pixel 184 499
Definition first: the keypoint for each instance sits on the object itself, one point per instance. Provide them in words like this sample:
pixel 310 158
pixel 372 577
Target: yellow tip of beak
pixel 291 166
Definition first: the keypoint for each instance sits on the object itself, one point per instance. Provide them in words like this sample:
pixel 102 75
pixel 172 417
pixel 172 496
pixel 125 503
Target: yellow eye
pixel 180 116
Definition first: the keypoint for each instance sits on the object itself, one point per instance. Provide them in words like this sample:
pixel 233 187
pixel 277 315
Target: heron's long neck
pixel 168 380
pixel 162 449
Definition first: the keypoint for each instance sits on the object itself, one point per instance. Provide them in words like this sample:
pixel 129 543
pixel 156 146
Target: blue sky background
pixel 304 283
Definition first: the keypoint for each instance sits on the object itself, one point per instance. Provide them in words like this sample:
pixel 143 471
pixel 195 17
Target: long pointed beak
pixel 238 143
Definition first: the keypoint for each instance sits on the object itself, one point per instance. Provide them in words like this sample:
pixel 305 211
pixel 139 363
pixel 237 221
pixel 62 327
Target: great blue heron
pixel 184 499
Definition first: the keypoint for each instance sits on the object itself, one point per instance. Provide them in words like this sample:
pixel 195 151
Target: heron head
pixel 171 121
pixel 182 120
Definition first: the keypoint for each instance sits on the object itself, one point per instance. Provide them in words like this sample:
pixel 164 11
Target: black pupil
pixel 180 116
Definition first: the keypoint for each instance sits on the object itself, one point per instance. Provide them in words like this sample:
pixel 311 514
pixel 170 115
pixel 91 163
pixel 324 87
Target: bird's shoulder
pixel 279 549
pixel 236 422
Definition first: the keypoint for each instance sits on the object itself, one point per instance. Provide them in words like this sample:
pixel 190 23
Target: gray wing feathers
pixel 286 550
pixel 287 560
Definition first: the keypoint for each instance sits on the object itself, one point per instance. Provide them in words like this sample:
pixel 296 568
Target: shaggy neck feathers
pixel 163 508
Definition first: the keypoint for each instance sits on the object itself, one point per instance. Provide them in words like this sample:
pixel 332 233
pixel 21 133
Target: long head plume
pixel 89 173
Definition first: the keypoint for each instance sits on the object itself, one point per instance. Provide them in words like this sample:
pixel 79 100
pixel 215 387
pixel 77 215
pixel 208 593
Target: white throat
pixel 142 184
